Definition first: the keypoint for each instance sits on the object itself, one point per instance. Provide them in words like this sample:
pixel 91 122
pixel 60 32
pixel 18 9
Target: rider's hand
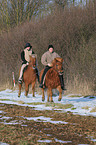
pixel 27 63
pixel 50 64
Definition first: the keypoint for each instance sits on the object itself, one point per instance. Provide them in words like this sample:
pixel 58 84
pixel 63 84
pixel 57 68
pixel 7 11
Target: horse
pixel 52 79
pixel 29 76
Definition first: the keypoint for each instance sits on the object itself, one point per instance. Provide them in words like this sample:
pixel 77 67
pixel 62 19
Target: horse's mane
pixel 57 59
pixel 34 55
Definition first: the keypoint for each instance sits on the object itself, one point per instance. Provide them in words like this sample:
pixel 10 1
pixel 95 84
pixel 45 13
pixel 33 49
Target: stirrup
pixel 20 81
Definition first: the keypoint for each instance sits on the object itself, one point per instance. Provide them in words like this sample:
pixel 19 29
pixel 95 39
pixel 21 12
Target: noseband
pixel 59 71
pixel 33 66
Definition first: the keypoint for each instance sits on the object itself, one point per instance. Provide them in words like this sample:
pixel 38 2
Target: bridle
pixel 59 71
pixel 33 66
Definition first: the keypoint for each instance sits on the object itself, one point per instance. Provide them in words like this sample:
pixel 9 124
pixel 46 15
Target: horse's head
pixel 32 61
pixel 57 64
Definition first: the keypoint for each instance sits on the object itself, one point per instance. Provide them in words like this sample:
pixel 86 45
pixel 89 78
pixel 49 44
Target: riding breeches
pixel 22 70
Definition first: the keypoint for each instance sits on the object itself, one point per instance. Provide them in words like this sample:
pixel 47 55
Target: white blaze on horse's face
pixel 32 62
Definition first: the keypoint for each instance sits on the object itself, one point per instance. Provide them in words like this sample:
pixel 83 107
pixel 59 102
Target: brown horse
pixel 29 76
pixel 52 80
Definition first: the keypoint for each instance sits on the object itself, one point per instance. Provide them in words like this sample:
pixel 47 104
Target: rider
pixel 46 60
pixel 25 60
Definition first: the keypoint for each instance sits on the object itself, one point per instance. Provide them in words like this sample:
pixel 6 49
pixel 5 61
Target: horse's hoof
pixel 52 101
pixel 59 99
pixel 43 100
pixel 18 96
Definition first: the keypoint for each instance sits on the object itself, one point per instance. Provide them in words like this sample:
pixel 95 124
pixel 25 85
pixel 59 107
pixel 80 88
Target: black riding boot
pixel 45 71
pixel 37 74
pixel 62 82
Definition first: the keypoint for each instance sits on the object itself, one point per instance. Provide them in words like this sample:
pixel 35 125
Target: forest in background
pixel 71 30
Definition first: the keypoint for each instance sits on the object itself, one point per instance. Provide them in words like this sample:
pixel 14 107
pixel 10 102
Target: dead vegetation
pixel 72 31
pixel 15 128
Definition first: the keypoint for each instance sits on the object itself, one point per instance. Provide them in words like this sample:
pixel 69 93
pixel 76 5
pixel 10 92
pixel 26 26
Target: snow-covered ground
pixel 81 105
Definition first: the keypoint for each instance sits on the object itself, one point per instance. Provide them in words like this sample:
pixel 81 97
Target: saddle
pixel 25 69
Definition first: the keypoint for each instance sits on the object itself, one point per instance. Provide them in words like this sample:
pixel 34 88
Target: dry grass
pixel 71 31
pixel 78 129
pixel 78 86
pixel 86 107
pixel 93 110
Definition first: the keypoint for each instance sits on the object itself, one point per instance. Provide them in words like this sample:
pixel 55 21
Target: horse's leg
pixel 51 99
pixel 60 93
pixel 26 89
pixel 19 93
pixel 50 94
pixel 33 89
pixel 43 96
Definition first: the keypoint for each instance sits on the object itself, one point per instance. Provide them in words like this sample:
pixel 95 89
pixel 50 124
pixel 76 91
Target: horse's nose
pixel 61 71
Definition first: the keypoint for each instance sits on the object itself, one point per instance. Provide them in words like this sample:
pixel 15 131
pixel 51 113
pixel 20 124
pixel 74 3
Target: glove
pixel 27 63
pixel 50 64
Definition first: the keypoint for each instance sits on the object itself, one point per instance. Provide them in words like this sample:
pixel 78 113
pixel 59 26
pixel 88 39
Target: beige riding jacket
pixel 27 54
pixel 48 57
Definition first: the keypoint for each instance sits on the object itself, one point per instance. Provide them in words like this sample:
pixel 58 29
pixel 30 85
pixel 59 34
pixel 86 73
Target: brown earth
pixel 77 130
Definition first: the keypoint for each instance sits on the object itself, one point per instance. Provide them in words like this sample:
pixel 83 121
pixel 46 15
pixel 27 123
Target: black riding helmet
pixel 28 45
pixel 50 46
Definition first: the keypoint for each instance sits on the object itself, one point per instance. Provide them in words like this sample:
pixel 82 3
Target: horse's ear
pixel 59 59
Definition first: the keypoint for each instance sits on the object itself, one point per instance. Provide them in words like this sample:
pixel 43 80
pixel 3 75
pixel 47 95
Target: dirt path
pixel 16 128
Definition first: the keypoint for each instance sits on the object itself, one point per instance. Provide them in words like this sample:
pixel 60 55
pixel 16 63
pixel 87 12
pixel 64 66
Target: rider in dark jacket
pixel 25 60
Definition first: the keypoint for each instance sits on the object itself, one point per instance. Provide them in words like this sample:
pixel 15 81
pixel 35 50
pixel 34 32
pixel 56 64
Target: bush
pixel 72 33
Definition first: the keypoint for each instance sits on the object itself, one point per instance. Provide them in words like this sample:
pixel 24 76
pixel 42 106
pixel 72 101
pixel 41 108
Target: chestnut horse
pixel 52 79
pixel 29 76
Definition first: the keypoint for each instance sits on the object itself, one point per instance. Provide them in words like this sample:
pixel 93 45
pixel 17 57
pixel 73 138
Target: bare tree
pixel 61 3
pixel 4 13
pixel 14 12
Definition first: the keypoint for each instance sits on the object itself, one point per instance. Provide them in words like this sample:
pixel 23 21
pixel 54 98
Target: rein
pixel 33 68
pixel 30 65
pixel 59 71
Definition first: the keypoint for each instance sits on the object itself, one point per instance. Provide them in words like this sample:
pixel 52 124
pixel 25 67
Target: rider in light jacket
pixel 46 60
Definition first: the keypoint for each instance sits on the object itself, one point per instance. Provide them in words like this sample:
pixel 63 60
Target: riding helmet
pixel 28 45
pixel 50 46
